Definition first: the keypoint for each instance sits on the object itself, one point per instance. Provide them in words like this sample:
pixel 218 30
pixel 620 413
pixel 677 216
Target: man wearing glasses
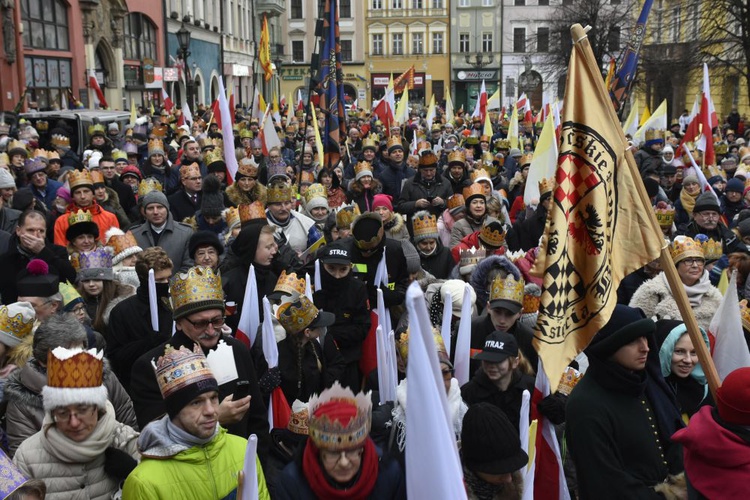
pixel 198 311
pixel 707 220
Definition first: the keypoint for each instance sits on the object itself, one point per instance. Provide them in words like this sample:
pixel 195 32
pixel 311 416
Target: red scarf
pixel 316 476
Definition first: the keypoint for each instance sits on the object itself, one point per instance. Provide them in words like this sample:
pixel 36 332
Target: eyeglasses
pixel 333 457
pixel 65 414
pixel 203 324
pixel 694 262
pixel 708 215
pixel 79 308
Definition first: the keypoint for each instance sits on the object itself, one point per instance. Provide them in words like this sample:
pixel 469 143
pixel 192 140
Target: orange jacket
pixel 105 220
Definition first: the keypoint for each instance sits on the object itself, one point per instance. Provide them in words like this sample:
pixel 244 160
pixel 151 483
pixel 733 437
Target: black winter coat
pixel 416 188
pixel 365 268
pixel 525 235
pixel 392 176
pixel 149 404
pixel 182 206
pixel 480 389
pixel 440 263
pixel 321 367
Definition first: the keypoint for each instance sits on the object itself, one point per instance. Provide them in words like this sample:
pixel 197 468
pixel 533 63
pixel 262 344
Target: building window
pixel 437 43
pixel 377 44
pixel 416 4
pixel 47 79
pixel 542 40
pixel 345 8
pixel 613 39
pixel 398 44
pixel 463 42
pixel 487 3
pixel 346 50
pixel 486 42
pixel 657 34
pixel 397 4
pixel 676 24
pixel 567 2
pixel 417 43
pixel 296 9
pixel 519 2
pixel 543 2
pixel 694 20
pixel 519 39
pixel 437 4
pixel 298 51
pixel 463 3
pixel 377 4
pixel 45 26
pixel 139 37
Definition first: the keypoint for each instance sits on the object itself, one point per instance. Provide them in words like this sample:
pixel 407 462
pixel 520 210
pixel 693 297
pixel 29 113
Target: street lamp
pixel 183 39
pixel 479 60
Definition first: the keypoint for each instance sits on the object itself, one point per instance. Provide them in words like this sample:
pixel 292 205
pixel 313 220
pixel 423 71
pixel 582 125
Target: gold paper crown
pixel 502 144
pixel 179 368
pixel 59 141
pixel 526 159
pixel 474 189
pixel 494 238
pixel 53 155
pixel 531 303
pixel 17 325
pixel 296 316
pixel 394 141
pixel 471 256
pixel 97 177
pixel 299 418
pixel 402 344
pixel 291 284
pixel 456 156
pixel 744 152
pixel 196 290
pixel 369 142
pixel 159 131
pixel 279 192
pixel 425 225
pixel 316 191
pixel 80 371
pixel 456 201
pixel 248 168
pixel 334 434
pixel 207 142
pixel 251 211
pixel 43 126
pixel 683 247
pixel 79 178
pixel 507 288
pixel 346 215
pixel 214 156
pixel 478 174
pixel 712 249
pixel 654 134
pixel 190 170
pixel 121 243
pixel 231 217
pixel 17 145
pixel 721 148
pixel 665 215
pixel 363 166
pixel 68 292
pixel 41 154
pixel 97 129
pixel 546 186
pixel 745 313
pixel 569 380
pixel 155 145
pixel 79 216
pixel 246 134
pixel 147 185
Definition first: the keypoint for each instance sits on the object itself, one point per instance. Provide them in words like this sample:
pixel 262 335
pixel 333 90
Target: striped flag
pixel 249 322
pixel 99 100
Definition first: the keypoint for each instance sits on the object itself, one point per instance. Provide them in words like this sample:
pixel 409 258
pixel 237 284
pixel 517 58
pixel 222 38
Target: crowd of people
pixel 126 364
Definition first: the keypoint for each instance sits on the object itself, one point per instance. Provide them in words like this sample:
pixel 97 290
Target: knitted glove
pixel 270 380
pixel 553 407
pixel 118 464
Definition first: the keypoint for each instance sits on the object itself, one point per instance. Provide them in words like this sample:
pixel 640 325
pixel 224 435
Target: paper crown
pixel 457 157
pixel 74 376
pixel 290 283
pixel 34 165
pixel 402 343
pixel 456 201
pixel 97 129
pixel 179 368
pixel 79 217
pixel 41 154
pixel 328 430
pixel 507 288
pixel 655 134
pixel 428 159
pixel 665 215
pixel 362 168
pixel 246 134
pixel 147 185
pixel 4 160
pixel 424 225
pixel 53 156
pixel 296 316
pixel 208 142
pixel 123 245
pixel 80 178
pixel 95 265
pixel 196 290
pixel 276 171
pixel 16 322
pixel 16 147
pixel 712 249
pixel 279 192
pixel 316 191
pixel 546 186
pixel 247 168
pixel 159 131
pixel 745 314
pixel 346 215
pixel 12 478
pixel 70 295
pixel 526 159
pixel 299 418
pixel 569 380
pixel 190 170
pixel 683 247
pixel 394 141
pixel 502 144
pixel 232 217
pixel 369 143
pixel 480 175
pixel 97 177
pixel 216 155
pixel 473 190
pixel 251 211
pixel 531 303
pixel 492 236
pixel 471 256
pixel 155 146
pixel 60 141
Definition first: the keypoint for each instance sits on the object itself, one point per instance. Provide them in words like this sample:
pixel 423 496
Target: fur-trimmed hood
pixel 237 197
pixel 398 224
pixel 482 271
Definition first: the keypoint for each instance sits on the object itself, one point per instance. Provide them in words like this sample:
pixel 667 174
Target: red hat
pixel 382 200
pixel 733 397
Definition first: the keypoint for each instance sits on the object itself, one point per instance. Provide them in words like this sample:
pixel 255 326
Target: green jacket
pixel 201 472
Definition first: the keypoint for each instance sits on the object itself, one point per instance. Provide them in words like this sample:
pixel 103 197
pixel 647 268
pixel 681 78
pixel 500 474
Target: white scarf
pixel 66 450
pixel 694 292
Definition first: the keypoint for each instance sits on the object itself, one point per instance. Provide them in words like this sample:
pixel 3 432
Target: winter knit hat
pixel 706 201
pixel 625 325
pixel 63 192
pixel 733 397
pixel 734 186
pixel 212 201
pixel 154 197
pixel 489 441
pixel 413 263
pixel 382 200
pixel 6 180
pixel 690 179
